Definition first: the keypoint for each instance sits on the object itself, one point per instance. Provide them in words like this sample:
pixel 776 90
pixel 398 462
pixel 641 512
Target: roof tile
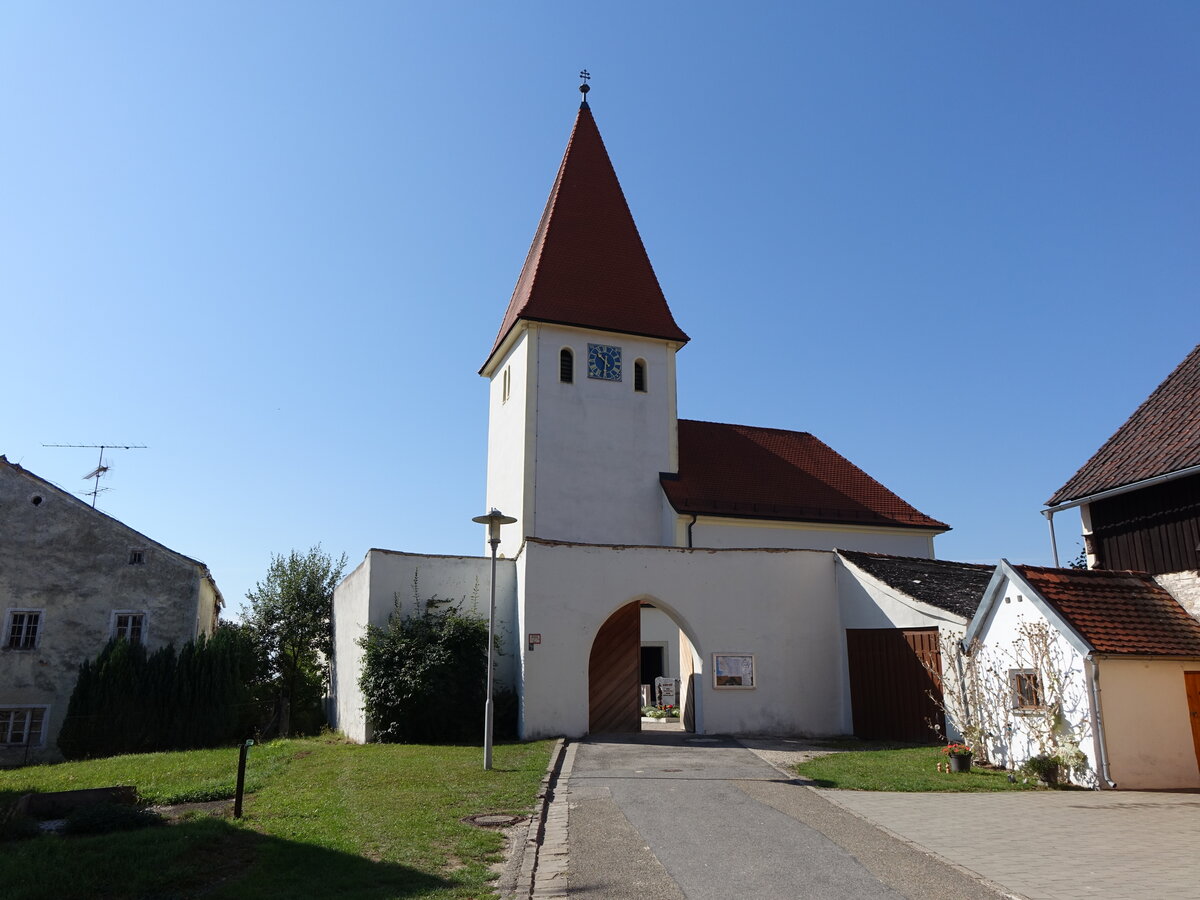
pixel 953 586
pixel 587 265
pixel 768 473
pixel 1118 612
pixel 1162 436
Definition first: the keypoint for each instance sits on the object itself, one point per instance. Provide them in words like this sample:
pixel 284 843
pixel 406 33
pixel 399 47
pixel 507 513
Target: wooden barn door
pixel 890 683
pixel 1191 681
pixel 614 694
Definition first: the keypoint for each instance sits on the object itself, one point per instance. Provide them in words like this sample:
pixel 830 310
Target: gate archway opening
pixel 622 658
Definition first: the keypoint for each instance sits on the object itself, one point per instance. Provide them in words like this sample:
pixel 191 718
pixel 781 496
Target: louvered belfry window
pixel 639 376
pixel 566 366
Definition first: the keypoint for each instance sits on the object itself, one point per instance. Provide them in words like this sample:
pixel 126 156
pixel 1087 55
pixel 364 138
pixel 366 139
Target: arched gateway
pixel 616 673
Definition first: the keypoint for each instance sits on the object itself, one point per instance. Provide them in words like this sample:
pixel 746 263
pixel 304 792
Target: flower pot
pixel 960 763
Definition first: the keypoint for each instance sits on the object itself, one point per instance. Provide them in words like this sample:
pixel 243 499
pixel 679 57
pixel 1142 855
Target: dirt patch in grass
pixel 174 812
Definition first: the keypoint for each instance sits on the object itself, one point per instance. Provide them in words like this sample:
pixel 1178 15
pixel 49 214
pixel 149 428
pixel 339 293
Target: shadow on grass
pixel 199 857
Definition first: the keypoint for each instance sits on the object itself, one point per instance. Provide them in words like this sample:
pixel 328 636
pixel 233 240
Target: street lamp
pixel 493 520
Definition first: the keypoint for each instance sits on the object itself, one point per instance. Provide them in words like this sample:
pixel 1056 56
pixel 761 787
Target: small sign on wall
pixel 534 640
pixel 734 670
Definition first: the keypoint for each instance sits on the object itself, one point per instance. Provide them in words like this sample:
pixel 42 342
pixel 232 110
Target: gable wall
pixel 68 561
pixel 1002 649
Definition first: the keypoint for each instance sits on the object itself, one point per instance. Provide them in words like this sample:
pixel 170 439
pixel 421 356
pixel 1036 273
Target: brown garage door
pixel 890 684
pixel 614 694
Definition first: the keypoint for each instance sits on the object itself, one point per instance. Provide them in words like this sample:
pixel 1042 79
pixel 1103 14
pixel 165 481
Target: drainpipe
pixel 690 524
pixel 1049 514
pixel 1100 741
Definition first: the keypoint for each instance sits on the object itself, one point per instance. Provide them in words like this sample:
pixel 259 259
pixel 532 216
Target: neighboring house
pixel 1139 495
pixel 899 614
pixel 1108 661
pixel 71 578
pixel 642 540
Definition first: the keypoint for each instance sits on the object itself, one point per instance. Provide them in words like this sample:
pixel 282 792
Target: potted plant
pixel 1044 767
pixel 959 756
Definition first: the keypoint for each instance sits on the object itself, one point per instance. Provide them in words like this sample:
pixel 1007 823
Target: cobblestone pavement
pixel 1052 845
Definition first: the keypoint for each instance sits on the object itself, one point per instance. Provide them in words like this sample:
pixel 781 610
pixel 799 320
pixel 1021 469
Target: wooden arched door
pixel 614 689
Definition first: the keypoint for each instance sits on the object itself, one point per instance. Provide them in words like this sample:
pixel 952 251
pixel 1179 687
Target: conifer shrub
pixel 131 701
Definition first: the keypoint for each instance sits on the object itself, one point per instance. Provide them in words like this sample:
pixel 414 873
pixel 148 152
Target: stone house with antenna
pixel 72 578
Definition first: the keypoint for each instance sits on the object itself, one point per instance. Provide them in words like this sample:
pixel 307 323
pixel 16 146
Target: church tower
pixel 582 410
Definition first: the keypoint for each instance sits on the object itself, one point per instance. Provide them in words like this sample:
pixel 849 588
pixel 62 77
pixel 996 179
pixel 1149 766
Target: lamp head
pixel 493 520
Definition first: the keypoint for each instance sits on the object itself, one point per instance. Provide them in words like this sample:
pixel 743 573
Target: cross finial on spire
pixel 584 76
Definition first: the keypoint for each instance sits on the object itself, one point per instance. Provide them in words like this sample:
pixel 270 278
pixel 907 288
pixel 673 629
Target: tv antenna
pixel 101 468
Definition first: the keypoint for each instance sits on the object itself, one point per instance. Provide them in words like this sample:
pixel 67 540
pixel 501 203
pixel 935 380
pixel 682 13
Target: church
pixel 735 559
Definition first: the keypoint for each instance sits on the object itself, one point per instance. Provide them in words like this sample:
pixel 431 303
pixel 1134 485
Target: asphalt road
pixel 674 815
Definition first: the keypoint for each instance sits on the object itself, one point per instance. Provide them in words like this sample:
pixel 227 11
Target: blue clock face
pixel 604 362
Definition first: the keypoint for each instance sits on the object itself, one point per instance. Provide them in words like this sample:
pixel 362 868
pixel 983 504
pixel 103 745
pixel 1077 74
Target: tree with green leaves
pixel 291 618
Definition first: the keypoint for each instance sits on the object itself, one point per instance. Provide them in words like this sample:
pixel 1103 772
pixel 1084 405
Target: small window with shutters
pixel 639 376
pixel 566 366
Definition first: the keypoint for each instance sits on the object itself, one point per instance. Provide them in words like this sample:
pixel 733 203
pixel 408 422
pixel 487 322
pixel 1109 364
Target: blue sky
pixel 274 242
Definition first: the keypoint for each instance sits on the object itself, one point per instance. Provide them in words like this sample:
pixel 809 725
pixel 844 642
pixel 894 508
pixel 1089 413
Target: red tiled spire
pixel 587 265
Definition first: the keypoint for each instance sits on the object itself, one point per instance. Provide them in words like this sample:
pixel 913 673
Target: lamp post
pixel 493 520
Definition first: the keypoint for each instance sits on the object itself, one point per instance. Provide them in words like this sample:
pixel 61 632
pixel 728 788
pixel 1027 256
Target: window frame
pixel 29 709
pixel 143 627
pixel 566 365
pixel 1025 685
pixel 641 383
pixel 38 628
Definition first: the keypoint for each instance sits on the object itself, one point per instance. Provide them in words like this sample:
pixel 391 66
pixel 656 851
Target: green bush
pixel 129 701
pixel 1044 767
pixel 101 818
pixel 425 679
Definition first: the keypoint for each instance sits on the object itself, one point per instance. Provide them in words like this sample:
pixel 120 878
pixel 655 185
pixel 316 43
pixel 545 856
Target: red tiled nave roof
pixel 768 473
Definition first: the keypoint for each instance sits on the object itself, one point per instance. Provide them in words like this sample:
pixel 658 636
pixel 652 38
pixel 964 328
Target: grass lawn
pixel 325 818
pixel 909 769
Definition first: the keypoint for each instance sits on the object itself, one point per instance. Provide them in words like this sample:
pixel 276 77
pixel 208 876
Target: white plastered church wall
pixel 512 419
pixel 389 581
pixel 723 600
pixel 593 448
pixel 717 531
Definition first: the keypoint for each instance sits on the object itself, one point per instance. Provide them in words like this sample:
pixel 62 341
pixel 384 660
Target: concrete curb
pixel 543 871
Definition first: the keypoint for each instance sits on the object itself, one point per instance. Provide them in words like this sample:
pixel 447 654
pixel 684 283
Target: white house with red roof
pixel 1104 662
pixel 644 543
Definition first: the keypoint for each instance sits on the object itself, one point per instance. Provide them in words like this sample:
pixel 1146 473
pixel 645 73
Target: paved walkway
pixel 665 816
pixel 1053 845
